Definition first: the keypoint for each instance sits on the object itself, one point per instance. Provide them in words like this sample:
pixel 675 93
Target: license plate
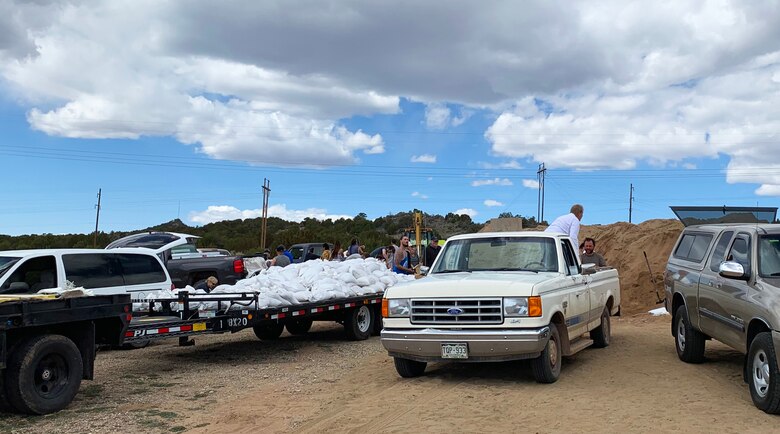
pixel 454 351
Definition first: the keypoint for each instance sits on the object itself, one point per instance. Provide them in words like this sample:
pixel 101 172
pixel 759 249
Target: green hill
pixel 243 236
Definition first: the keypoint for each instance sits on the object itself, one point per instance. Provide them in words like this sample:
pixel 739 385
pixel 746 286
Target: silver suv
pixel 722 282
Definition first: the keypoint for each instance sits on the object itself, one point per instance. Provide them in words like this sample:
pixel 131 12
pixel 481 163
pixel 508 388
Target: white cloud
pixel 689 166
pixel 466 211
pixel 531 183
pixel 494 181
pixel 491 202
pixel 608 84
pixel 420 195
pixel 424 158
pixel 511 164
pixel 215 213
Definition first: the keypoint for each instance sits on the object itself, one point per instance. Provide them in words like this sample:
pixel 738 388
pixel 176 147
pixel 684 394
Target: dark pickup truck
pixel 47 346
pixel 184 262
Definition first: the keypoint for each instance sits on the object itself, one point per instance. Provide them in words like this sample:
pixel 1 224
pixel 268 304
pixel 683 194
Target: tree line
pixel 243 236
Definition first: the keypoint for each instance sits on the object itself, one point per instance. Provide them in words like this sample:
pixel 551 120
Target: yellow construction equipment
pixel 419 237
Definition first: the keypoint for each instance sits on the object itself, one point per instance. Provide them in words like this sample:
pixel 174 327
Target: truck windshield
pixel 6 262
pixel 498 254
pixel 769 255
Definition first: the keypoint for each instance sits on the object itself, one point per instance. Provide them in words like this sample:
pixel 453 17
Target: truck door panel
pixel 709 283
pixel 579 301
pixel 723 300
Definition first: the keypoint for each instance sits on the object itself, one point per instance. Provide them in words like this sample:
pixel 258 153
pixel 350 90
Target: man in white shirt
pixel 569 224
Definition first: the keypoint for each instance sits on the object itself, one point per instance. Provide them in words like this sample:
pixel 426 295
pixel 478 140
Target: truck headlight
pixel 396 308
pixel 523 306
pixel 517 306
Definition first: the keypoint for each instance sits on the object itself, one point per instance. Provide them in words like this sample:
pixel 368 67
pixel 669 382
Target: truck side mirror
pixel 732 270
pixel 588 269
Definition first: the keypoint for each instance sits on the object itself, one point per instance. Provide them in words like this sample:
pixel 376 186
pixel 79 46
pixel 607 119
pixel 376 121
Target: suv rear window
pixel 693 247
pixel 151 241
pixel 140 269
pixel 92 270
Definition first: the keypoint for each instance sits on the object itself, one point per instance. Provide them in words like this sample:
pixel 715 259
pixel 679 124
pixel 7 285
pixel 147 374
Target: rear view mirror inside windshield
pixel 498 243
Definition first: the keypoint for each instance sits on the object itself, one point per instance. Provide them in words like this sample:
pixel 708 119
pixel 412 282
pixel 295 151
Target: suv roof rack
pixel 702 215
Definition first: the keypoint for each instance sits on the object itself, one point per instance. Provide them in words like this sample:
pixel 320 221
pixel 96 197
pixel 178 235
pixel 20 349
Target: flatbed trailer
pixel 48 345
pixel 361 317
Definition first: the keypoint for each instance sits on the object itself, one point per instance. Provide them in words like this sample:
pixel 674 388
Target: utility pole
pixel 266 194
pixel 97 218
pixel 630 202
pixel 540 199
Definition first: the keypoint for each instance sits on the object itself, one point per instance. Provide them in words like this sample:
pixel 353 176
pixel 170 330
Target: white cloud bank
pixel 492 203
pixel 216 213
pixel 495 181
pixel 602 84
pixel 531 183
pixel 466 211
pixel 424 158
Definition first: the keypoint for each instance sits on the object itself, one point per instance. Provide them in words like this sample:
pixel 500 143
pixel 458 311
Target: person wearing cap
pixel 281 259
pixel 432 251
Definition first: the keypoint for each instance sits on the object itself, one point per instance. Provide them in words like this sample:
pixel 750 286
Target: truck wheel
pixel 299 326
pixel 602 334
pixel 688 341
pixel 763 379
pixel 376 328
pixel 547 367
pixel 136 345
pixel 44 374
pixel 358 323
pixel 409 368
pixel 268 332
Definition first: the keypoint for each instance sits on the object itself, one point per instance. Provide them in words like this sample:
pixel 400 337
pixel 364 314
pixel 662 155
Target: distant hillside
pixel 243 236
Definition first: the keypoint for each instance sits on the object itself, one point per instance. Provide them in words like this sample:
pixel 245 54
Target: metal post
pixel 266 194
pixel 630 202
pixel 97 218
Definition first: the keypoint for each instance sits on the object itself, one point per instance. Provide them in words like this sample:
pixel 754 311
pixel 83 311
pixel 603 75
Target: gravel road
pixel 323 383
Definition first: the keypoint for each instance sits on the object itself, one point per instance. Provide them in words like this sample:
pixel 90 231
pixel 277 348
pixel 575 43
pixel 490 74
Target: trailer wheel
pixel 44 374
pixel 358 323
pixel 268 332
pixel 299 326
pixel 376 329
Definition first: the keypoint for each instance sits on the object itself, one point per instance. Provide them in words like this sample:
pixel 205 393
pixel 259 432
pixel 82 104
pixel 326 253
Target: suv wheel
pixel 763 374
pixel 688 341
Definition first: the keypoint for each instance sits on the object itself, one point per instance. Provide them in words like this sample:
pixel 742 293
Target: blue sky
pixel 381 108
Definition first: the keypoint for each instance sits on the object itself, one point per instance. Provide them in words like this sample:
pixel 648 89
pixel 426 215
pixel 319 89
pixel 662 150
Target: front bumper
pixel 424 345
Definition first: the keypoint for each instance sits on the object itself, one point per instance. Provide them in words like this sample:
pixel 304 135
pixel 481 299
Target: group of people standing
pixel 569 224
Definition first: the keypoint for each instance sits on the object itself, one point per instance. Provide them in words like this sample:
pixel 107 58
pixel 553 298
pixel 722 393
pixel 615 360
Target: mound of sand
pixel 622 245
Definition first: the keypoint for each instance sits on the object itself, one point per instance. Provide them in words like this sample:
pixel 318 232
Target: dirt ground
pixel 321 383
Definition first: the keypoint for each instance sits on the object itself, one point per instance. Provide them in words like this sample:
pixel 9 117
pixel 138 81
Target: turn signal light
pixel 384 308
pixel 535 306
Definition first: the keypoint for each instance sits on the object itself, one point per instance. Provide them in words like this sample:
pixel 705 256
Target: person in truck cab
pixel 569 224
pixel 589 256
pixel 310 255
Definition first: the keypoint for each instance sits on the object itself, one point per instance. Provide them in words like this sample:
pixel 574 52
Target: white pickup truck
pixel 501 296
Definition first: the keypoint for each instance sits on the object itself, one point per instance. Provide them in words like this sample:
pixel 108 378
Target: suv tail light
pixel 238 266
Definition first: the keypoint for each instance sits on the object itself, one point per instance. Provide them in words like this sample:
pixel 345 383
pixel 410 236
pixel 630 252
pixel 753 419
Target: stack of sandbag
pixel 306 282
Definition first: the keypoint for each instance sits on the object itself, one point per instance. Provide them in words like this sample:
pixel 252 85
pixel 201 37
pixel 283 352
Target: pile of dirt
pixel 503 224
pixel 622 245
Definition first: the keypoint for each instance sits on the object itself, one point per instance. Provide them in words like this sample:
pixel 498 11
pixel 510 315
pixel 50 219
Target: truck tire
pixel 358 323
pixel 44 374
pixel 299 326
pixel 269 331
pixel 409 368
pixel 763 374
pixel 376 329
pixel 602 334
pixel 688 341
pixel 547 367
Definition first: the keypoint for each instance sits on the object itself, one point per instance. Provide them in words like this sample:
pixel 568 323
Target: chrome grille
pixel 445 311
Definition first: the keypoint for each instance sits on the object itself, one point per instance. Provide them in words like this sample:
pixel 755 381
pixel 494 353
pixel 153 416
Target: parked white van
pixel 118 271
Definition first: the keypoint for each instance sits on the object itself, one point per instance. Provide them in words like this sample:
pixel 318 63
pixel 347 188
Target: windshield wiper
pixel 452 271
